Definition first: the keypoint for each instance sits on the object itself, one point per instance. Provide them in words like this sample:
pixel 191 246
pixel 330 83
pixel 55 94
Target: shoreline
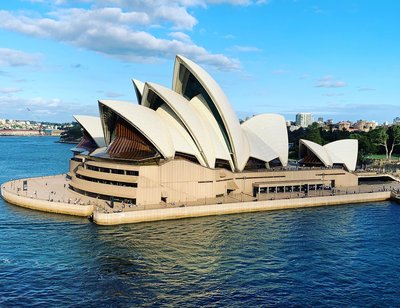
pixel 28 133
pixel 47 206
pixel 107 219
pixel 66 204
pixel 67 142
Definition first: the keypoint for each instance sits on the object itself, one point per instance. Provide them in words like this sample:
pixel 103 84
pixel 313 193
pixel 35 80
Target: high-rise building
pixel 304 119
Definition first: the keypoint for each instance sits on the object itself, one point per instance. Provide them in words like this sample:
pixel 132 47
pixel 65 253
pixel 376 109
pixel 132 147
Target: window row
pixel 108 182
pixel 110 170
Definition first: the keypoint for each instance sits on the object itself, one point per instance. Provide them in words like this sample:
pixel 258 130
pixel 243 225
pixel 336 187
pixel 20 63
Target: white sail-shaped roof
pixel 318 150
pixel 343 152
pixel 217 139
pixel 93 127
pixel 194 120
pixel 181 139
pixel 139 88
pixel 146 121
pixel 187 116
pixel 258 148
pixel 228 120
pixel 271 129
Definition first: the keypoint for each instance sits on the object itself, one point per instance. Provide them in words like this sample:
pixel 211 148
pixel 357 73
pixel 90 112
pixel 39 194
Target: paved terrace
pixel 55 189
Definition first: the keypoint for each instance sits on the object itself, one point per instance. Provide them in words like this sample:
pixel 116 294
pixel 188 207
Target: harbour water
pixel 328 256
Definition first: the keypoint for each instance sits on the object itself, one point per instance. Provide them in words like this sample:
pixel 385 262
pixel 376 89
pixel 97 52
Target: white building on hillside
pixel 304 119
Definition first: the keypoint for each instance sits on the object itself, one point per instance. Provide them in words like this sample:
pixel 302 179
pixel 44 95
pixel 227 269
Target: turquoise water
pixel 332 256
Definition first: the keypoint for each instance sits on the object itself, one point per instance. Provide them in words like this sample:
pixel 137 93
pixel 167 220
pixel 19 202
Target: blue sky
pixel 338 59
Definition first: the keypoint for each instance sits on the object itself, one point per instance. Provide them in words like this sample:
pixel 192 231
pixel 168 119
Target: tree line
pixel 384 140
pixel 72 134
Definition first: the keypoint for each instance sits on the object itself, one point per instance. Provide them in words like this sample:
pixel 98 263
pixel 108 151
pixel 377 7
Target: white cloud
pixel 183 3
pixel 240 48
pixel 330 82
pixel 177 15
pixel 304 76
pixel 12 57
pixel 156 11
pixel 111 32
pixel 55 2
pixel 106 23
pixel 41 109
pixel 41 102
pixel 10 90
pixel 112 94
pixel 180 36
pixel 366 89
pixel 229 37
pixel 237 2
pixel 174 11
pixel 317 10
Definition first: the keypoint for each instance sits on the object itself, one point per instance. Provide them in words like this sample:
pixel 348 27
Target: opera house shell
pixel 178 144
pixel 339 153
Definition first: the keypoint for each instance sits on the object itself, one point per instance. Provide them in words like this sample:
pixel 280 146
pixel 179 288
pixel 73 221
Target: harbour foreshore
pixel 51 194
pixel 233 208
pixel 47 206
pixel 28 132
pixel 46 194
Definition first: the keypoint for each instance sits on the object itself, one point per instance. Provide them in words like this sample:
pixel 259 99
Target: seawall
pixel 47 206
pixel 9 192
pixel 138 216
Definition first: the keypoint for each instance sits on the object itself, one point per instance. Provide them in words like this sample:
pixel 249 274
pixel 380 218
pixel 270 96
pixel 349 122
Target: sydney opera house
pixel 185 143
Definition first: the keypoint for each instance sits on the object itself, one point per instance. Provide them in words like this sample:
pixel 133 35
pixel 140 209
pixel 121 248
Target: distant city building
pixel 371 125
pixel 344 125
pixel 304 119
pixel 396 120
pixel 30 126
pixel 365 126
pixel 320 122
pixel 292 128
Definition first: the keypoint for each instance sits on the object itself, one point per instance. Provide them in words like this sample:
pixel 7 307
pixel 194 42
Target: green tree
pixel 387 137
pixel 395 138
pixel 380 137
pixel 313 134
pixel 72 134
pixel 365 146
